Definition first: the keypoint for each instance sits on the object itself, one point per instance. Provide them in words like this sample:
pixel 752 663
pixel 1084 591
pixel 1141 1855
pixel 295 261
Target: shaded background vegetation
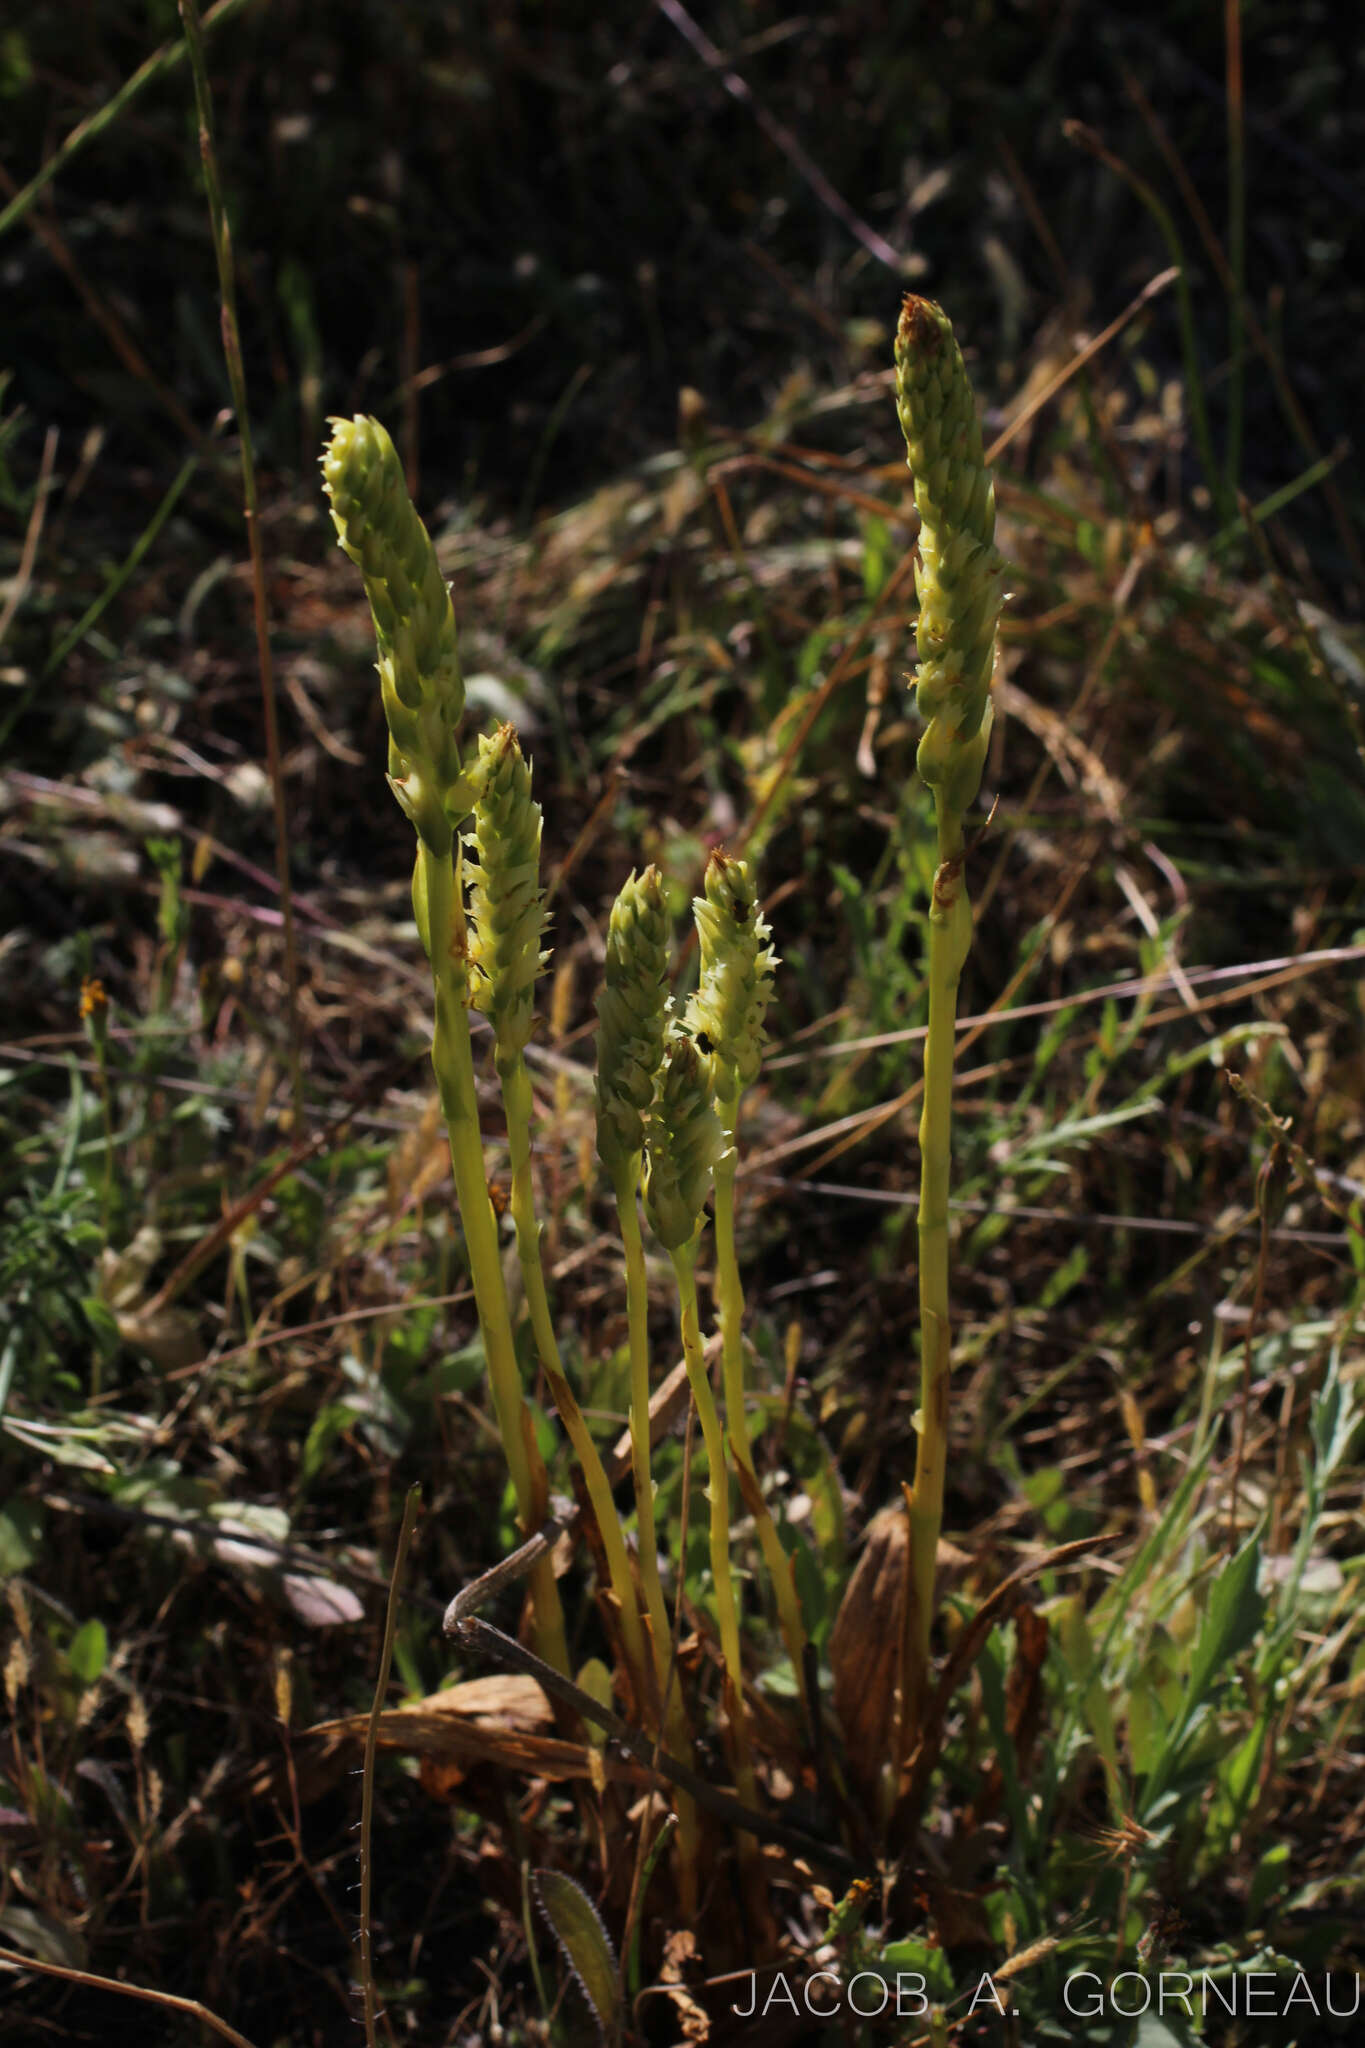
pixel 518 234
pixel 591 172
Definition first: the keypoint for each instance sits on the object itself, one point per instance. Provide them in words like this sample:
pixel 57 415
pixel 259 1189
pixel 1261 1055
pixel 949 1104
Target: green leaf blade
pixel 574 1921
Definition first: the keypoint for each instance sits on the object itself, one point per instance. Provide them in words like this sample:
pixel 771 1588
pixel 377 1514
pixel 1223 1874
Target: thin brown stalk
pixel 34 533
pixel 11 1959
pixel 1237 233
pixel 781 136
pixel 1244 1408
pixel 1037 218
pixel 1151 290
pixel 232 352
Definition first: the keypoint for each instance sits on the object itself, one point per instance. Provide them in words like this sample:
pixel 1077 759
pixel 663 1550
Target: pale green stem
pixel 718 1493
pixel 440 921
pixel 518 1103
pixel 731 1292
pixel 625 1182
pixel 950 937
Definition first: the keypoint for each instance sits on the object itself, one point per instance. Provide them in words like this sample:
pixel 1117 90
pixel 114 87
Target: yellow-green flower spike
pixel 959 579
pixel 506 908
pixel 959 574
pixel 419 668
pixel 630 1012
pixel 683 1143
pixel 726 1014
pixel 725 1018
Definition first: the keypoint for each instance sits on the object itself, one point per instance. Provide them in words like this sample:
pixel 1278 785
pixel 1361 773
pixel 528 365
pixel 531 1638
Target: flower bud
pixel 419 668
pixel 631 1012
pixel 683 1143
pixel 506 907
pixel 726 1014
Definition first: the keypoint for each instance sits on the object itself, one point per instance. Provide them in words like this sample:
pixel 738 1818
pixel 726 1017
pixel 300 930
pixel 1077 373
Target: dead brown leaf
pixel 865 1644
pixel 498 1720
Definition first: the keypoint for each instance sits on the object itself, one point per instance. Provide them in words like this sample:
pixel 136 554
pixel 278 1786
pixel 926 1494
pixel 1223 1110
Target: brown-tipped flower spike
pixel 959 580
pixel 506 909
pixel 419 668
pixel 630 1012
pixel 683 1143
pixel 959 574
pixel 726 1014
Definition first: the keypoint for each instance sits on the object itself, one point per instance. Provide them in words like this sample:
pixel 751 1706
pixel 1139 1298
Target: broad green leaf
pixel 1236 1610
pixel 460 1372
pixel 574 1922
pixel 330 1422
pixel 21 1532
pixel 1078 1650
pixel 88 1651
pixel 918 1958
pixel 1268 1879
pixel 1068 1275
pixel 1146 1727
pixel 103 1324
pixel 1078 1132
pixel 1158 2030
pixel 1162 1541
pixel 1333 1419
pixel 1232 1619
pixel 667 1830
pixel 811 1589
pixel 1240 1772
pixel 595 1680
pixel 43 1937
pixel 251 1518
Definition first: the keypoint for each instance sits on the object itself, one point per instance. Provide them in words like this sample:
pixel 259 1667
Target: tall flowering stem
pixel 725 1018
pixel 683 1142
pixel 632 1021
pixel 630 1049
pixel 506 920
pixel 960 584
pixel 423 696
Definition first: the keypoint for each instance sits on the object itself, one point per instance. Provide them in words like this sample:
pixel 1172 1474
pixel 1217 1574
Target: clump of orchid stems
pixel 668 1093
